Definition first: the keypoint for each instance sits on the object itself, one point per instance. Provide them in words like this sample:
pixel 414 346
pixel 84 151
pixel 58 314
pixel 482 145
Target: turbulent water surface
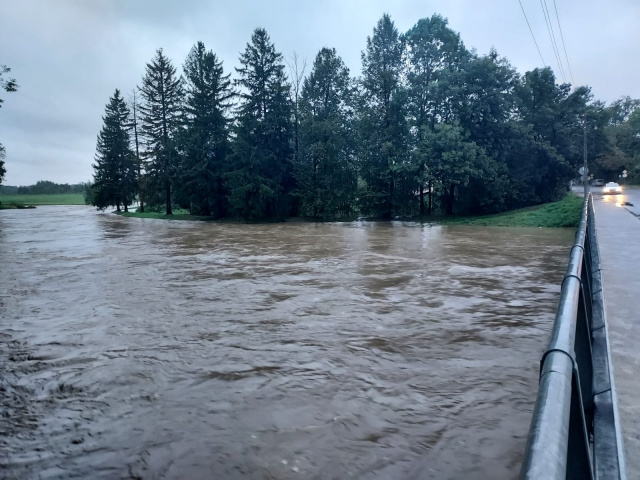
pixel 148 349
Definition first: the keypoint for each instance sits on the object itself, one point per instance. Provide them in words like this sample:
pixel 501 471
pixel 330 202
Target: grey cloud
pixel 70 55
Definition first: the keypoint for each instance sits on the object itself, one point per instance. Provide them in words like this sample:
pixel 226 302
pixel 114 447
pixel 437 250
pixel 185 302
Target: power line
pixel 554 45
pixel 562 37
pixel 532 35
pixel 555 42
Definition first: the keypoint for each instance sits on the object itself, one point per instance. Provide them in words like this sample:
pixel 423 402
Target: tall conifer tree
pixel 162 115
pixel 115 168
pixel 325 170
pixel 206 144
pixel 383 124
pixel 261 178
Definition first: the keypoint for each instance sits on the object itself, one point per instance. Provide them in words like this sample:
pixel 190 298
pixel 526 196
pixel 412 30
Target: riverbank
pixel 563 213
pixel 23 200
pixel 178 214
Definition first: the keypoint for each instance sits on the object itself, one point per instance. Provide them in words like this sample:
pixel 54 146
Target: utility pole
pixel 586 170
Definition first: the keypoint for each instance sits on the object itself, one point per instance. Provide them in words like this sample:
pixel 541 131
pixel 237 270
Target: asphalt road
pixel 618 229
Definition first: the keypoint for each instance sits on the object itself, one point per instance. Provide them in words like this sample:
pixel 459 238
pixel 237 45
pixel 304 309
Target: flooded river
pixel 149 349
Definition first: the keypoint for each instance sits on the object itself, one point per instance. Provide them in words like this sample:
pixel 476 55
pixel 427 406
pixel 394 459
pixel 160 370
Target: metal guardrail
pixel 575 431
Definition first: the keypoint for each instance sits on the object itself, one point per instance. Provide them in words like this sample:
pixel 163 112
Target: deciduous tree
pixel 8 85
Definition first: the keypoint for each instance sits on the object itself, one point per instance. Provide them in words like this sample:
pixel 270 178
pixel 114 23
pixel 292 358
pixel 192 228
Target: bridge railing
pixel 575 431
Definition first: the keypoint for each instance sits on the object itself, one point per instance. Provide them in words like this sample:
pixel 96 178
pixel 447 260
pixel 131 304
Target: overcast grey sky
pixel 69 55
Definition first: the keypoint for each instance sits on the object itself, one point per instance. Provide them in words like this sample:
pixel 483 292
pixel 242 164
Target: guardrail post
pixel 578 449
pixel 584 365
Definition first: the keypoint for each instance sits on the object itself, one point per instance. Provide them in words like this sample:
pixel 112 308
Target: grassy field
pixel 564 213
pixel 52 199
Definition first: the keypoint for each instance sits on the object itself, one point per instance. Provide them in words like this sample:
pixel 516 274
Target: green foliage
pixel 260 177
pixel 8 189
pixel 621 110
pixel 47 187
pixel 8 85
pixel 89 194
pixel 178 214
pixel 325 171
pixel 434 64
pixel 623 137
pixel 115 167
pixel 383 127
pixel 429 127
pixel 563 213
pixel 204 143
pixel 3 155
pixel 434 67
pixel 451 159
pixel 162 116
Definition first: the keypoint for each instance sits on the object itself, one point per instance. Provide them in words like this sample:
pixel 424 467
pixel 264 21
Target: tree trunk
pixel 117 206
pixel 429 187
pixel 140 190
pixel 316 196
pixel 452 193
pixel 421 199
pixel 295 132
pixel 135 131
pixel 389 212
pixel 126 209
pixel 168 190
pixel 220 210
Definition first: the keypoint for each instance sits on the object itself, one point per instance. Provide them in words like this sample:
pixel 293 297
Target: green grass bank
pixel 563 213
pixel 12 200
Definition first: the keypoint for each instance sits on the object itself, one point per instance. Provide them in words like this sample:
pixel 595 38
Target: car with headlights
pixel 611 188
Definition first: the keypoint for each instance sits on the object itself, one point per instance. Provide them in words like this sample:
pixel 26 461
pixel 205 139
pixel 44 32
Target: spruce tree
pixel 205 141
pixel 115 168
pixel 325 170
pixel 162 116
pixel 261 177
pixel 383 129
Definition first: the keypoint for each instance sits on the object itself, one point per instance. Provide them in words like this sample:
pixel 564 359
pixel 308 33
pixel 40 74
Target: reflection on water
pixel 148 349
pixel 618 200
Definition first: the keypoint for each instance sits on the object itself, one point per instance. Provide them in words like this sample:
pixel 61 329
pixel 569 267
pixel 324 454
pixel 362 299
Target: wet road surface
pixel 147 349
pixel 618 229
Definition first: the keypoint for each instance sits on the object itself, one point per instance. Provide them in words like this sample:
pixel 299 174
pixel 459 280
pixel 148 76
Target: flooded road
pixel 148 349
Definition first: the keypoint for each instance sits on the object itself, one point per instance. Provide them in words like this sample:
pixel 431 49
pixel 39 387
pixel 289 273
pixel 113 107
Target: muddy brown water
pixel 148 349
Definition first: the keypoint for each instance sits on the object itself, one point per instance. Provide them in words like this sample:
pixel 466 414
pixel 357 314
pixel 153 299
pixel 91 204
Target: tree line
pixel 45 187
pixel 430 126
